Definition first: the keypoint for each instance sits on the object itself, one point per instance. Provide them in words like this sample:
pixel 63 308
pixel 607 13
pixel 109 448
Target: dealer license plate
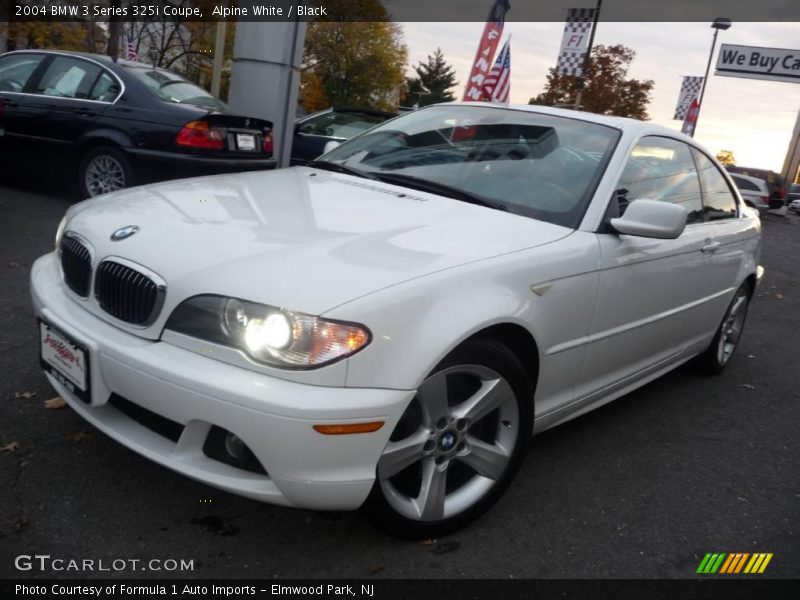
pixel 65 360
pixel 245 141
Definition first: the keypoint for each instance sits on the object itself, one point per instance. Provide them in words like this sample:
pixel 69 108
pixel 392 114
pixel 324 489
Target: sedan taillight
pixel 267 145
pixel 199 134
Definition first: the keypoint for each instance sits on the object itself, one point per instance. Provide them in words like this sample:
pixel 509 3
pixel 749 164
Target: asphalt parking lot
pixel 641 488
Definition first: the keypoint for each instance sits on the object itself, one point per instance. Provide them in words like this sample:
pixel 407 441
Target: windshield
pixel 173 88
pixel 537 165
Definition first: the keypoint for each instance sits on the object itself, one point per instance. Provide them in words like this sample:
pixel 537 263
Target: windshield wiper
pixel 339 168
pixel 425 185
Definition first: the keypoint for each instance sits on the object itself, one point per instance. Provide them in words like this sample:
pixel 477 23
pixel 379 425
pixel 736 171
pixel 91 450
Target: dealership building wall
pixel 791 166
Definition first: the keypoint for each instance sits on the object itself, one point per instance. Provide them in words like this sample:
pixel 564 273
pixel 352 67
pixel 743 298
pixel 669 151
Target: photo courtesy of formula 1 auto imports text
pixel 393 299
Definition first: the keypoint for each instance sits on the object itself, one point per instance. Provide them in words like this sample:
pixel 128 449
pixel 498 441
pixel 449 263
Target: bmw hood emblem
pixel 124 233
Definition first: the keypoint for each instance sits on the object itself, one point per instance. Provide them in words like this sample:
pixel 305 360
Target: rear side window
pixel 662 169
pixel 718 199
pixel 105 88
pixel 340 124
pixel 16 69
pixel 68 77
pixel 743 184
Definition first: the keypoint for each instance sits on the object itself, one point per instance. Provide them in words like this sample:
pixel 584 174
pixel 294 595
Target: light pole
pixel 719 23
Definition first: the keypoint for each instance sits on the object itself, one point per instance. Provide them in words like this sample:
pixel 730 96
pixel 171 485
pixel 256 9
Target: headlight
pixel 60 233
pixel 268 334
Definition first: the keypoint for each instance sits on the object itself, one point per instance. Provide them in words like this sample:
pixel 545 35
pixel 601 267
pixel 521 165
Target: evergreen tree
pixel 434 81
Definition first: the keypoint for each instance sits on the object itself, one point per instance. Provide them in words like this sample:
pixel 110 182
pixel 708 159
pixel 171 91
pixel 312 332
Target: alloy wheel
pixel 452 445
pixel 731 328
pixel 104 174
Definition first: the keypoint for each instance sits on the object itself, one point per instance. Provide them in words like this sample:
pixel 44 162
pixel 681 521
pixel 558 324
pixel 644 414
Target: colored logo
pixel 734 563
pixel 124 232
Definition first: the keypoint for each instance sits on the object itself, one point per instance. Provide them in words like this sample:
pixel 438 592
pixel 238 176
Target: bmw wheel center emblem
pixel 124 233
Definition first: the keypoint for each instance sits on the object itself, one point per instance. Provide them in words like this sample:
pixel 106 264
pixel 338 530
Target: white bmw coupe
pixel 387 327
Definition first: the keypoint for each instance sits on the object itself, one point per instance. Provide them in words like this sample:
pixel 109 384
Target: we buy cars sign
pixel 753 62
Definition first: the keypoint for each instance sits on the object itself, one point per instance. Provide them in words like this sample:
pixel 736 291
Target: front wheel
pixel 719 353
pixel 457 446
pixel 102 170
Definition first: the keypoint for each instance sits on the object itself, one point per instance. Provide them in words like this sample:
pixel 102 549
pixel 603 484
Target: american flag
pixel 130 50
pixel 497 87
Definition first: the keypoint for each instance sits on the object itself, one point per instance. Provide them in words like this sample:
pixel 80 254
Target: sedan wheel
pixel 457 445
pixel 725 342
pixel 104 170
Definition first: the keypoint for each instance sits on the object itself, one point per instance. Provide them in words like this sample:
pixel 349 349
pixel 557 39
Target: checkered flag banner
pixel 575 42
pixel 690 89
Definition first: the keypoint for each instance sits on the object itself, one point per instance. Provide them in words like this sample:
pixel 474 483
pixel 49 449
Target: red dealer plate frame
pixel 66 360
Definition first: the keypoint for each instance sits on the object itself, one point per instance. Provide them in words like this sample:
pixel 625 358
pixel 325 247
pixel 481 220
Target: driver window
pixel 661 168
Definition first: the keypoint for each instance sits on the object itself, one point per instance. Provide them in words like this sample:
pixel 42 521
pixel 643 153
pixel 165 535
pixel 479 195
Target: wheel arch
pixel 518 340
pixel 103 137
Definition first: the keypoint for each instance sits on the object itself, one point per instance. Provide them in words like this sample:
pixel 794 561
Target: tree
pixel 608 89
pixel 726 157
pixel 433 83
pixel 355 63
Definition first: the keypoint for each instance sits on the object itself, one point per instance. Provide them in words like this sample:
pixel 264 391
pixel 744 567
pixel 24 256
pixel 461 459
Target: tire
pixel 718 354
pixel 104 169
pixel 457 446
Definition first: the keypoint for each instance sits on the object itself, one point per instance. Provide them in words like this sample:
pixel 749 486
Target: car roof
pixel 104 58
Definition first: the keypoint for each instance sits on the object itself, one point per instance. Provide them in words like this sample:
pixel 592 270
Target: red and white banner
pixel 691 118
pixel 486 49
pixel 498 83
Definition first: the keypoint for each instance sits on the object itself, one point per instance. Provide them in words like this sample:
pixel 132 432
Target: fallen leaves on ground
pixel 377 570
pixel 428 542
pixel 79 436
pixel 10 447
pixel 20 525
pixel 14 265
pixel 26 395
pixel 55 403
pixel 746 386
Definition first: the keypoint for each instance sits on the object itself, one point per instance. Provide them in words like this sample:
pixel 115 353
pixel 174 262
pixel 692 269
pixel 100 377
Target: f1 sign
pixel 753 62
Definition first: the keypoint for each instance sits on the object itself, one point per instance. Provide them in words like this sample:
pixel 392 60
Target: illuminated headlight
pixel 60 233
pixel 271 335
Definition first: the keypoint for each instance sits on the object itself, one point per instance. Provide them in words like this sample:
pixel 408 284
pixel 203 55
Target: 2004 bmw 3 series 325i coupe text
pixel 385 327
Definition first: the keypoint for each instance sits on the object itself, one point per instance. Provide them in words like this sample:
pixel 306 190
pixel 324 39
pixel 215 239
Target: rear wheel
pixel 104 169
pixel 457 446
pixel 719 353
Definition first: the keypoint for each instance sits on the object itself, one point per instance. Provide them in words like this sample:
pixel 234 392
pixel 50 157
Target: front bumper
pixel 273 417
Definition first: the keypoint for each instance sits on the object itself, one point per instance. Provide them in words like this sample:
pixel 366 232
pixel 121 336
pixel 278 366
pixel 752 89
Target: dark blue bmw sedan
pixel 119 123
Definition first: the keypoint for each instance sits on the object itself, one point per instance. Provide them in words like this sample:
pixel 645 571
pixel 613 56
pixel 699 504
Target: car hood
pixel 300 238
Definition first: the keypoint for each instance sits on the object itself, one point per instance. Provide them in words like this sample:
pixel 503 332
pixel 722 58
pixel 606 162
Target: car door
pixel 63 104
pixel 730 234
pixel 653 293
pixel 16 70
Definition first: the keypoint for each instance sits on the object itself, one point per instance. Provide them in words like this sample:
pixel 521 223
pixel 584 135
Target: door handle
pixel 712 247
pixel 85 112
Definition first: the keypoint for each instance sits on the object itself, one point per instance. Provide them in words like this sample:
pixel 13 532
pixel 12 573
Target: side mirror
pixel 331 145
pixel 297 128
pixel 652 219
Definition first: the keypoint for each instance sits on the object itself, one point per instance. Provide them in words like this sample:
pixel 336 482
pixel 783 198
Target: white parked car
pixel 754 191
pixel 387 327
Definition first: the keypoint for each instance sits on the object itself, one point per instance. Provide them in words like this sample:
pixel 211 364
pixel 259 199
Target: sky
pixel 753 118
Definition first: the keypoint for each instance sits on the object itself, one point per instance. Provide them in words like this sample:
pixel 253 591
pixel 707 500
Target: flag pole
pixel 582 79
